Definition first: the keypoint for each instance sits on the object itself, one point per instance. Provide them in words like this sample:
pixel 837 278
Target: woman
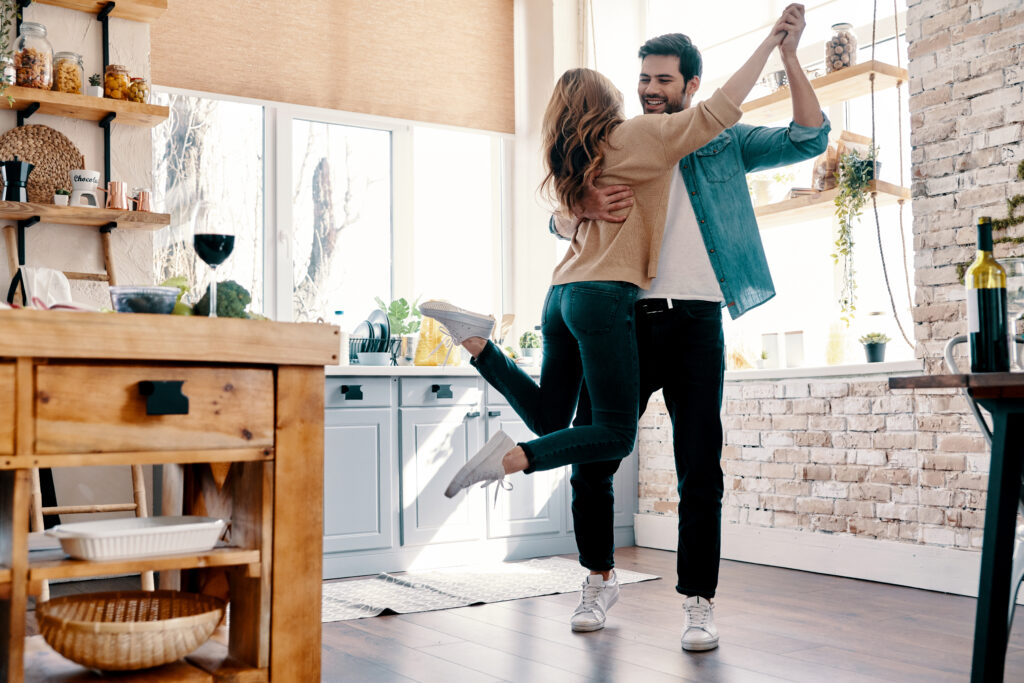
pixel 587 321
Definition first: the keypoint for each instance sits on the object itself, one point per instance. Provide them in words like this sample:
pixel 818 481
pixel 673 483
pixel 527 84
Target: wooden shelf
pixel 55 565
pixel 5 575
pixel 84 215
pixel 832 88
pixel 16 462
pixel 42 663
pixel 821 205
pixel 136 10
pixel 86 107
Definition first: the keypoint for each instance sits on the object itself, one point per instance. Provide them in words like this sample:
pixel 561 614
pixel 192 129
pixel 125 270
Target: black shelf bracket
pixel 26 113
pixel 109 227
pixel 22 4
pixel 105 125
pixel 22 224
pixel 104 18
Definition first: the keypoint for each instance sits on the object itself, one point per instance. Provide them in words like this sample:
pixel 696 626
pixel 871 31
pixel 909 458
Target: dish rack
pixel 391 346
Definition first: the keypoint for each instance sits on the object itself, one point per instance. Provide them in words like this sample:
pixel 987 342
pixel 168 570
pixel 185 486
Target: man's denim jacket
pixel 715 177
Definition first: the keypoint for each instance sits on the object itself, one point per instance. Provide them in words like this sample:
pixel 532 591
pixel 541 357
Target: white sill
pixel 894 367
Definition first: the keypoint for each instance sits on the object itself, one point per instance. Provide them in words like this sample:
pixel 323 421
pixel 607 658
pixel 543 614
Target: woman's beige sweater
pixel 641 152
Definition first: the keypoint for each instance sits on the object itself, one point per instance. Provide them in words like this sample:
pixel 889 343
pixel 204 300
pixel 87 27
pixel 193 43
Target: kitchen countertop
pixel 410 370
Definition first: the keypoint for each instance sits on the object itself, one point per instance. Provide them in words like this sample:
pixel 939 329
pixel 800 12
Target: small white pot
pixel 94 90
pixel 61 199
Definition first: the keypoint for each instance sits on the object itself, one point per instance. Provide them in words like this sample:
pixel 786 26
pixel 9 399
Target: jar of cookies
pixel 33 57
pixel 138 90
pixel 115 82
pixel 68 72
pixel 841 48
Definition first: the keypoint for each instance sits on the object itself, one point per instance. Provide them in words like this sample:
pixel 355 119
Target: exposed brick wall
pixel 847 455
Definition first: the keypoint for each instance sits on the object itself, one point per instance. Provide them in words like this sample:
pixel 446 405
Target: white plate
pixel 138 536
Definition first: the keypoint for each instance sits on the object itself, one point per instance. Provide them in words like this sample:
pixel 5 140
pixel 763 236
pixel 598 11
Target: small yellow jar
pixel 138 90
pixel 115 82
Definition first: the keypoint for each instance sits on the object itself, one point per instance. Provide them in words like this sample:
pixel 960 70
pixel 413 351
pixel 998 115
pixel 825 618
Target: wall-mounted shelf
pixel 86 107
pixel 82 215
pixel 838 86
pixel 136 10
pixel 821 205
pixel 65 568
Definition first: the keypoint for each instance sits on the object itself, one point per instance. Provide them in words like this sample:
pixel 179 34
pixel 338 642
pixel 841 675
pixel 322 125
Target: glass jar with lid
pixel 68 72
pixel 33 57
pixel 138 90
pixel 115 82
pixel 841 48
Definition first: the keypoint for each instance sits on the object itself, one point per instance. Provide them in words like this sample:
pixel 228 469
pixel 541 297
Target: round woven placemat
pixel 52 153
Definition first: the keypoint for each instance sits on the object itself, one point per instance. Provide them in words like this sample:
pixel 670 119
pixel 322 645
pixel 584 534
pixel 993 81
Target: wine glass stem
pixel 213 293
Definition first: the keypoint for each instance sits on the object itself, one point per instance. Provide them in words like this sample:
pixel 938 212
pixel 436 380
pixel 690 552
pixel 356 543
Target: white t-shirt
pixel 684 268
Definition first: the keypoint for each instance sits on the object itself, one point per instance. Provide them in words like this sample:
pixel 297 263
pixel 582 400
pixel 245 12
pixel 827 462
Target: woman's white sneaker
pixel 596 598
pixel 485 466
pixel 699 630
pixel 460 323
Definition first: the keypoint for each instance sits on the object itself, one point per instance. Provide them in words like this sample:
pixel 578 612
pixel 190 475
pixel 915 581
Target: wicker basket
pixel 128 630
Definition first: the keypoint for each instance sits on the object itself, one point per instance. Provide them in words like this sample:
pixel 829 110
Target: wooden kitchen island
pixel 77 389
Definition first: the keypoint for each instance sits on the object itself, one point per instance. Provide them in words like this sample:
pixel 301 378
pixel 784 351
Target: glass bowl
pixel 132 299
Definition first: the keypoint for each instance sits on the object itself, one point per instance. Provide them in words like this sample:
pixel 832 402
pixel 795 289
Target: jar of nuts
pixel 33 57
pixel 138 90
pixel 115 82
pixel 68 72
pixel 841 49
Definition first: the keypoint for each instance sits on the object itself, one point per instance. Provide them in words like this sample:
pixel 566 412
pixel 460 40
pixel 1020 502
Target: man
pixel 711 256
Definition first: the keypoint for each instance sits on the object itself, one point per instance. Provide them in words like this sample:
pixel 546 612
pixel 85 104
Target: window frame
pixel 278 119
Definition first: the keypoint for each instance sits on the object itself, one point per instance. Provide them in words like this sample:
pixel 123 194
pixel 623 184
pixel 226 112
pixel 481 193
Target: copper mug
pixel 117 195
pixel 143 200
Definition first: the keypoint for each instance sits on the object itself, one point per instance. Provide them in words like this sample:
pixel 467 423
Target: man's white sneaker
pixel 596 598
pixel 699 630
pixel 485 466
pixel 460 323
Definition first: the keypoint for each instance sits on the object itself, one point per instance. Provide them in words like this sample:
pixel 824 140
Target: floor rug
pixel 423 591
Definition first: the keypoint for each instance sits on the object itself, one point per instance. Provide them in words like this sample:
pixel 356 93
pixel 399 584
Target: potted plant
pixel 10 10
pixel 95 86
pixel 874 346
pixel 529 343
pixel 762 360
pixel 854 175
pixel 61 196
pixel 404 320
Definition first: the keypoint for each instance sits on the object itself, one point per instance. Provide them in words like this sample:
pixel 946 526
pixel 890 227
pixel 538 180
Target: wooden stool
pixel 139 507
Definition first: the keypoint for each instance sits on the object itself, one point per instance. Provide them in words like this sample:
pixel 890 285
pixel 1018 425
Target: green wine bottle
pixel 986 306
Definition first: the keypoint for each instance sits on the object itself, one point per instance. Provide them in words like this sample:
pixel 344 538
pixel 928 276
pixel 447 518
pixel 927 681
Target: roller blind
pixel 441 61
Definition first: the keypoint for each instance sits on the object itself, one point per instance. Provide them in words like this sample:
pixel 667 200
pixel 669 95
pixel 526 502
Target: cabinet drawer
pixel 440 391
pixel 493 397
pixel 358 392
pixel 93 409
pixel 6 408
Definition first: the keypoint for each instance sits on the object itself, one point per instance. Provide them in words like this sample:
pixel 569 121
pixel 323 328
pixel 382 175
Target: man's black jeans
pixel 588 334
pixel 682 352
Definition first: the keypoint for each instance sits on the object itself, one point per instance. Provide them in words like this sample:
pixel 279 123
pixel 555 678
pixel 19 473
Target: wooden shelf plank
pixel 87 107
pixel 136 10
pixel 832 88
pixel 83 215
pixel 158 338
pixel 56 566
pixel 821 205
pixel 14 462
pixel 42 663
pixel 5 575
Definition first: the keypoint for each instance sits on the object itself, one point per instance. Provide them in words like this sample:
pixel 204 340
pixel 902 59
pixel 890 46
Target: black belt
pixel 659 305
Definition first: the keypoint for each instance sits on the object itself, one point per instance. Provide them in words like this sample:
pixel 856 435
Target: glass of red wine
pixel 213 241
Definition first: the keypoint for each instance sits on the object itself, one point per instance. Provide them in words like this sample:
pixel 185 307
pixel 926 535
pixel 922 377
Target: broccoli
pixel 232 298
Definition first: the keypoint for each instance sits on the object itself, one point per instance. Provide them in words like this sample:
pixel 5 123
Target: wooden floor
pixel 775 625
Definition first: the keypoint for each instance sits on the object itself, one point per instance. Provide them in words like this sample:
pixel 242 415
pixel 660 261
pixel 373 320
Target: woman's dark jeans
pixel 589 334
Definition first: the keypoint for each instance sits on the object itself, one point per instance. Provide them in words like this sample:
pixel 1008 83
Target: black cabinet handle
pixel 353 392
pixel 164 397
pixel 442 390
pixel 493 413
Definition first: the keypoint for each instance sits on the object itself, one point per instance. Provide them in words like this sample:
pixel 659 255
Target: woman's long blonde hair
pixel 584 109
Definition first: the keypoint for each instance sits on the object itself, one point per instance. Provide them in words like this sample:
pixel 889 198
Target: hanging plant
pixel 854 175
pixel 10 11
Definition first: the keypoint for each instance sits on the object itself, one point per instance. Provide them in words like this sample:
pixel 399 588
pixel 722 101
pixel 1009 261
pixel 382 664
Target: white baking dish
pixel 110 539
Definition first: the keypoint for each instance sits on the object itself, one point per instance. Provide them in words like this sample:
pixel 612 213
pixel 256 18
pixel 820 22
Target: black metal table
pixel 1002 395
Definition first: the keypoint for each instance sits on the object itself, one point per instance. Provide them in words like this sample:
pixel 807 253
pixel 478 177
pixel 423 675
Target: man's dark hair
pixel 676 45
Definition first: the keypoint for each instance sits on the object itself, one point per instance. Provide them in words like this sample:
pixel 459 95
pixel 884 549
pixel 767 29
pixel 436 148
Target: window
pixel 210 151
pixel 360 207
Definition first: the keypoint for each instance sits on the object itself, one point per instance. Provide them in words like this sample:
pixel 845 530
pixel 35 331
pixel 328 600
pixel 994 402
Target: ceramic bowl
pixel 131 299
